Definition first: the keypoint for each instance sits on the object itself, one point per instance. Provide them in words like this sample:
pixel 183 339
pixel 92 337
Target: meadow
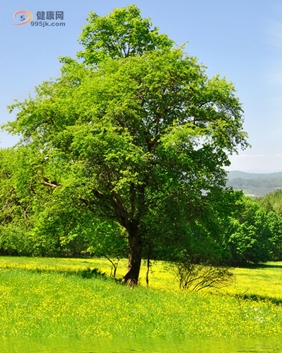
pixel 47 297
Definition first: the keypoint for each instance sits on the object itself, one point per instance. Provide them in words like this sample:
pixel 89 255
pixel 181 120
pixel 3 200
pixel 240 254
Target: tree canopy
pixel 133 134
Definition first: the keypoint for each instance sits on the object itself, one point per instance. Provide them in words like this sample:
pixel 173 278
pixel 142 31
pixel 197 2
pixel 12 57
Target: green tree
pixel 248 233
pixel 15 204
pixel 272 204
pixel 137 133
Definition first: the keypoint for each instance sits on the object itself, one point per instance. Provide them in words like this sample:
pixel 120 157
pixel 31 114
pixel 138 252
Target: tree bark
pixel 147 272
pixel 135 256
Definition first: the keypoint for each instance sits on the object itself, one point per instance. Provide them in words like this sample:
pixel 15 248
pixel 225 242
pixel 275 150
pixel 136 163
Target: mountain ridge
pixel 254 184
pixel 234 174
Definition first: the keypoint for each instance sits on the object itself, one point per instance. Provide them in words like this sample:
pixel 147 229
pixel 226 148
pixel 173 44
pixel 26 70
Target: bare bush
pixel 196 277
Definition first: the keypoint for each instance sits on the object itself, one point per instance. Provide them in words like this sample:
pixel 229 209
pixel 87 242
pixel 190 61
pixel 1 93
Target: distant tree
pixel 137 134
pixel 248 233
pixel 272 204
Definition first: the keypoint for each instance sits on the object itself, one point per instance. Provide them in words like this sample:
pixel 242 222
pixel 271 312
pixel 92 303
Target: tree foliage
pixel 272 205
pixel 120 34
pixel 249 234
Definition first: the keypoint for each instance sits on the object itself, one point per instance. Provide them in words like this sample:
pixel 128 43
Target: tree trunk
pixel 135 256
pixel 147 272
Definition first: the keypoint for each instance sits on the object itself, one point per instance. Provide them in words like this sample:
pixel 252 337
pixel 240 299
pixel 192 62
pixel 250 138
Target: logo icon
pixel 25 17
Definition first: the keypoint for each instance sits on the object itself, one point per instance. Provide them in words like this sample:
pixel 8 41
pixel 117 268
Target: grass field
pixel 43 297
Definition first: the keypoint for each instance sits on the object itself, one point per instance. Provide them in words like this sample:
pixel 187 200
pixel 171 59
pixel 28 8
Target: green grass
pixel 41 297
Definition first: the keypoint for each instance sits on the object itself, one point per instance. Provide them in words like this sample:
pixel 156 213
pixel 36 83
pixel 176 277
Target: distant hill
pixel 253 184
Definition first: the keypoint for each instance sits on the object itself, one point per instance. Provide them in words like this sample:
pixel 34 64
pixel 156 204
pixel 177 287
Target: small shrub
pixel 88 273
pixel 196 277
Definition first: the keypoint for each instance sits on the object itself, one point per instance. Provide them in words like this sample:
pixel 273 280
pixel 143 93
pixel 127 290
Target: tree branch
pixel 52 185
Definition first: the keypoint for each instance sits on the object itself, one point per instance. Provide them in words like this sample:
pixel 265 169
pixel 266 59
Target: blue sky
pixel 239 39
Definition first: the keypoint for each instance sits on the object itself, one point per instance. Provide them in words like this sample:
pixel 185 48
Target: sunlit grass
pixel 41 297
pixel 160 277
pixel 263 281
